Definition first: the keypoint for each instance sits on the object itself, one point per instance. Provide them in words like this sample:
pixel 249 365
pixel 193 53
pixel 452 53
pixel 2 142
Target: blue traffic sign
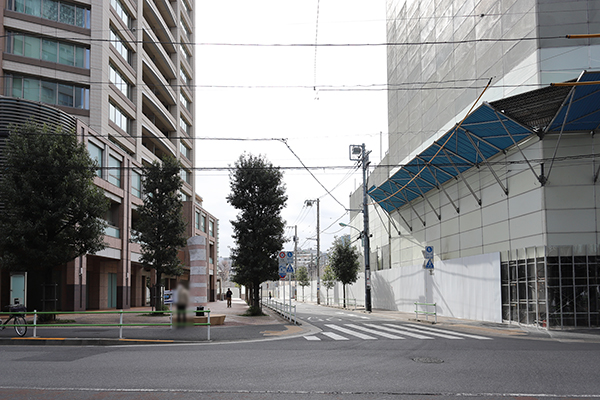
pixel 282 271
pixel 429 264
pixel 289 269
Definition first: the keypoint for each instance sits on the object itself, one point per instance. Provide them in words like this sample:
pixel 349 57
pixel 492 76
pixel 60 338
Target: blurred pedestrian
pixel 183 298
pixel 228 295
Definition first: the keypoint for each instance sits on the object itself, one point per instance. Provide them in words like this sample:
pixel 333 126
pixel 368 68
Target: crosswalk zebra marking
pixel 349 332
pixel 311 338
pixel 373 331
pixel 429 333
pixel 451 332
pixel 334 336
pixel 394 328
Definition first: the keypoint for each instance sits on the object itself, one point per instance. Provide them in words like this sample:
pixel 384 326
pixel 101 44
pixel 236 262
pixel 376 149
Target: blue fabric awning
pixel 488 131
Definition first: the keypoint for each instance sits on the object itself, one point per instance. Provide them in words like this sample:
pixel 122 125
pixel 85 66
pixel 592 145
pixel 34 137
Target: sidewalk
pixel 235 328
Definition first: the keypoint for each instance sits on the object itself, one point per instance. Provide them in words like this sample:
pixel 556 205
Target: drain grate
pixel 428 360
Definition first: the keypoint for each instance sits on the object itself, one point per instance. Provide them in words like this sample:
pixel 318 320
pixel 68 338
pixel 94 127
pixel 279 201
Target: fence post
pixel 34 323
pixel 121 324
pixel 208 320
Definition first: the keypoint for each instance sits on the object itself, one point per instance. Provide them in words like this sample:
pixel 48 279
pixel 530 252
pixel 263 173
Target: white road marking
pixel 334 336
pixel 451 332
pixel 352 333
pixel 311 338
pixel 373 331
pixel 394 328
pixel 428 333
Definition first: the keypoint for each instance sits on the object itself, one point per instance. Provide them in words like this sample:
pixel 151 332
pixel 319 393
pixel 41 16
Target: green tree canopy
pixel 302 278
pixel 161 228
pixel 258 193
pixel 328 279
pixel 344 262
pixel 52 211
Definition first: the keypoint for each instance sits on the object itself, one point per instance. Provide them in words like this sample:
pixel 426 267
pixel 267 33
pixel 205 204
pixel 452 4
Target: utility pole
pixel 295 255
pixel 310 203
pixel 318 257
pixel 365 166
pixel 359 153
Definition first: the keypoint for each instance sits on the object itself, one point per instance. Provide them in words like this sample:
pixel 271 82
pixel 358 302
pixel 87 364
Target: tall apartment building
pixel 507 197
pixel 122 72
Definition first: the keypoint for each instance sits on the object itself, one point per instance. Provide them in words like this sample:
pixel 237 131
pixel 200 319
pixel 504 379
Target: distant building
pixel 121 73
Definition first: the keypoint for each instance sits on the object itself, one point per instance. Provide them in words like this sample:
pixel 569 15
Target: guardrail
pixel 284 309
pixel 426 312
pixel 35 324
pixel 340 303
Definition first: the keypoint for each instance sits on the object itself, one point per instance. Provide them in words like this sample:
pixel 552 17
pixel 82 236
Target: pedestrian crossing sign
pixel 429 264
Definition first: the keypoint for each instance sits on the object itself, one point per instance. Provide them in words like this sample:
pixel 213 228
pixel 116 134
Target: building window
pixel 119 118
pixel 211 228
pixel 46 91
pixel 197 219
pixel 185 52
pixel 203 223
pixel 121 83
pixel 186 175
pixel 184 196
pixel 184 100
pixel 186 6
pixel 121 12
pixel 47 50
pixel 184 28
pixel 184 150
pixel 114 171
pixel 136 184
pixel 97 154
pixel 184 76
pixel 53 10
pixel 187 128
pixel 119 45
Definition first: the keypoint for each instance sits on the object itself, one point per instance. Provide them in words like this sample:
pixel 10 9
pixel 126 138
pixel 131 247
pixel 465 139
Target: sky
pixel 246 95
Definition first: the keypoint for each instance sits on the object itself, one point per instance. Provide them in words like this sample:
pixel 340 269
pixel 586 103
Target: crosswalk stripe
pixel 311 338
pixel 334 336
pixel 393 328
pixel 451 332
pixel 385 335
pixel 349 332
pixel 429 333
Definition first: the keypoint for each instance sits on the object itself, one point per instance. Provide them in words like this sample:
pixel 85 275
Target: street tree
pixel 302 278
pixel 160 228
pixel 52 212
pixel 344 262
pixel 258 193
pixel 328 280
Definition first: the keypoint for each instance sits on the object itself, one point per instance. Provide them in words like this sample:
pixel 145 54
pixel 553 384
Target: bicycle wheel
pixel 21 330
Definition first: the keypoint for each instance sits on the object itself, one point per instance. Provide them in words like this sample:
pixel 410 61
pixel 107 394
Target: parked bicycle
pixel 18 319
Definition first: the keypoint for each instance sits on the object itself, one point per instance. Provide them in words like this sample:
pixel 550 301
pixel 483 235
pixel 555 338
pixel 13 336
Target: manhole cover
pixel 428 360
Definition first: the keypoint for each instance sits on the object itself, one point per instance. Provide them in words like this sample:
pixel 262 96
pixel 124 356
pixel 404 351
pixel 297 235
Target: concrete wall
pixel 466 288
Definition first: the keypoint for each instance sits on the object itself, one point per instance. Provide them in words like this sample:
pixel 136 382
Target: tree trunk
pixel 344 286
pixel 256 296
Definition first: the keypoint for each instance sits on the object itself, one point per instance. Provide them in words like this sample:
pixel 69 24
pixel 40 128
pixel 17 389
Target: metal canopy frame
pixel 491 129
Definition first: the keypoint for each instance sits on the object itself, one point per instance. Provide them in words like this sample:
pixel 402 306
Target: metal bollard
pixel 34 323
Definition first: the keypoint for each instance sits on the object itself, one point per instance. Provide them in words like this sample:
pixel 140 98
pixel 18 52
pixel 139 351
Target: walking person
pixel 183 298
pixel 228 295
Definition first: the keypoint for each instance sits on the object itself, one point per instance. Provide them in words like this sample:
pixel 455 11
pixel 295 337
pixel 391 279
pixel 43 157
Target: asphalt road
pixel 396 363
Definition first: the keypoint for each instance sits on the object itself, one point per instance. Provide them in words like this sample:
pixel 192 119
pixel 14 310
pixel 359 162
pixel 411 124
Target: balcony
pixel 153 18
pixel 157 53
